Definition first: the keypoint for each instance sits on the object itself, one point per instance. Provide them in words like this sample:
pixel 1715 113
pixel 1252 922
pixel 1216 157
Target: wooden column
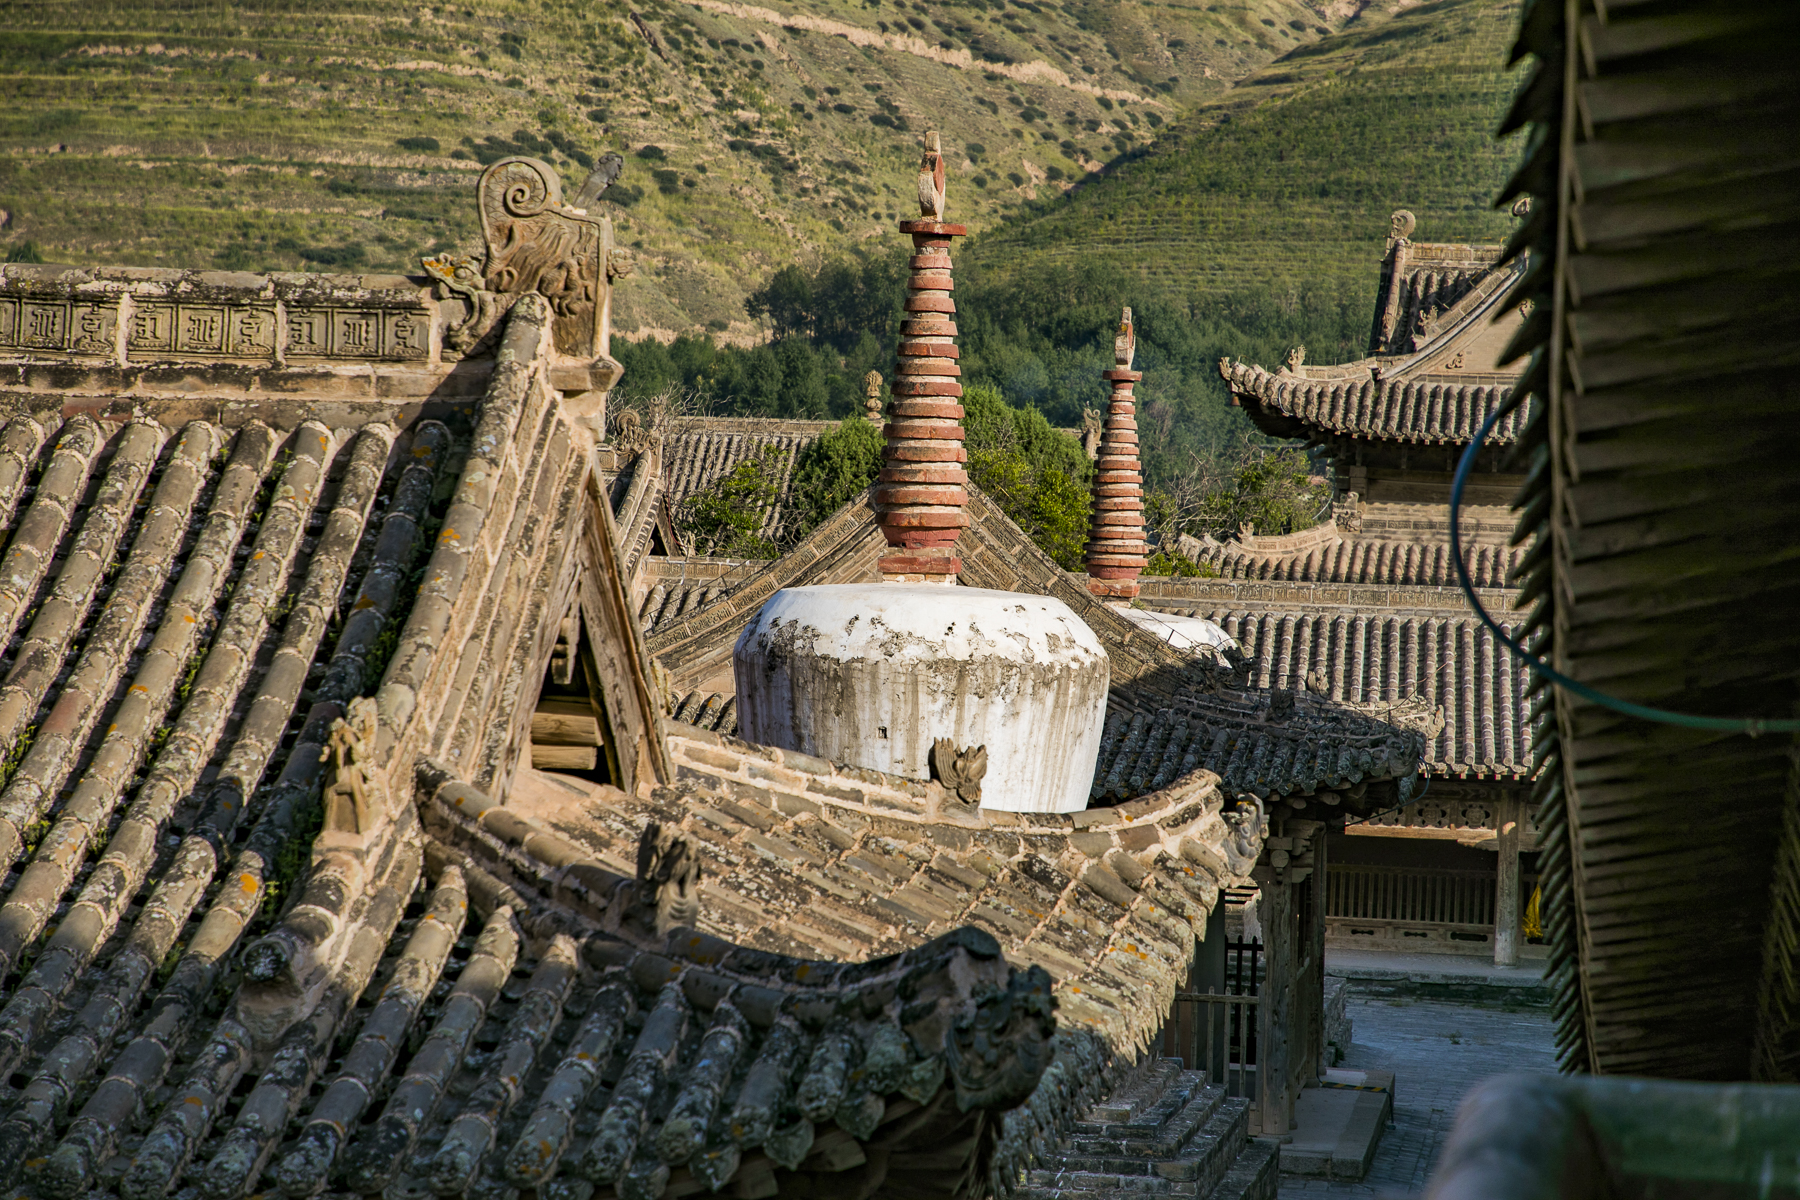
pixel 1275 1013
pixel 1506 887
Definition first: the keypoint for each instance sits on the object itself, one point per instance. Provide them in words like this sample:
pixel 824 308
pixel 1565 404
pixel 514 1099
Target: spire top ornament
pixel 872 396
pixel 1125 344
pixel 931 180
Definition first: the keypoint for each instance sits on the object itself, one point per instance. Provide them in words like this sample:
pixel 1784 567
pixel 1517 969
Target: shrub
pixel 830 472
pixel 418 143
pixel 724 519
pixel 651 151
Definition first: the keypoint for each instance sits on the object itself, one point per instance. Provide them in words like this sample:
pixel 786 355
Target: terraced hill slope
pixel 1282 187
pixel 344 134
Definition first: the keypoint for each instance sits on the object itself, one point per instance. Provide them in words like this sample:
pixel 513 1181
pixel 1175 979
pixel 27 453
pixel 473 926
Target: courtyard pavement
pixel 1437 1052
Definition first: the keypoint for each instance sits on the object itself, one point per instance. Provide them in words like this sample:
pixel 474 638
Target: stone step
pixel 1087 1184
pixel 1163 1142
pixel 1147 1101
pixel 1253 1176
pixel 1203 1161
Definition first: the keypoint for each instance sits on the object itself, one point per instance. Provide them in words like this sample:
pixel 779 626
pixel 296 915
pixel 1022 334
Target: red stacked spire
pixel 920 494
pixel 1116 548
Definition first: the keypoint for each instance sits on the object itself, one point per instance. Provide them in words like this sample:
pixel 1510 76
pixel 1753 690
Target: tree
pixel 831 471
pixel 787 300
pixel 1260 489
pixel 1037 474
pixel 725 518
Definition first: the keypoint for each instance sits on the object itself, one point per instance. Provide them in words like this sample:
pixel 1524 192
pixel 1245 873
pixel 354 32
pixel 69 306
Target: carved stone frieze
pixel 536 243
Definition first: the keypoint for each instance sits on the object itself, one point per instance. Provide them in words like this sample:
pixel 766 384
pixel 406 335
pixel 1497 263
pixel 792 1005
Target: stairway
pixel 1164 1133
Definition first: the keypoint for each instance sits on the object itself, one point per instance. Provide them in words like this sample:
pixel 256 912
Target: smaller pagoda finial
pixel 1125 344
pixel 931 180
pixel 1116 549
pixel 872 396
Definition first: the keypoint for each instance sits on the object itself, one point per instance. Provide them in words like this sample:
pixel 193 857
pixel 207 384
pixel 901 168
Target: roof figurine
pixel 1116 548
pixel 921 493
pixel 872 397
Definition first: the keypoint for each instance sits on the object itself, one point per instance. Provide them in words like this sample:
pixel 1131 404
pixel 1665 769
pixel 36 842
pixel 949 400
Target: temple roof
pixel 285 905
pixel 699 451
pixel 1435 370
pixel 1324 554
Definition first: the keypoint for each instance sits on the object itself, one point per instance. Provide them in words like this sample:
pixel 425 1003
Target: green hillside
pixel 1275 197
pixel 326 134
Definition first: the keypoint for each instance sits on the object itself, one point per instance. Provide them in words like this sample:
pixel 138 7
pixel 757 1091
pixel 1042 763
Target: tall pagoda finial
pixel 1116 548
pixel 921 493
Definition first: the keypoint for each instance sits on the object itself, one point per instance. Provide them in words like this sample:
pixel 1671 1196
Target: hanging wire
pixel 1754 726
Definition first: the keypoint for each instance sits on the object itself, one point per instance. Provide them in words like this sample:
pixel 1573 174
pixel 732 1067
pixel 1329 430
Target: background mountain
pixel 326 133
pixel 1226 168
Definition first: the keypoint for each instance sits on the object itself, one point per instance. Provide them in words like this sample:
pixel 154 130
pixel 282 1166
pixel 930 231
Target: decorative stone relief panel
pixel 536 243
pixel 345 332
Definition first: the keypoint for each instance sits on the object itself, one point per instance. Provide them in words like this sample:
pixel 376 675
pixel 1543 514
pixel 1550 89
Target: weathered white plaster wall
pixel 871 674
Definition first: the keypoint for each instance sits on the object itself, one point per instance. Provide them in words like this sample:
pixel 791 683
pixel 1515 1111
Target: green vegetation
pixel 1267 490
pixel 160 132
pixel 1253 224
pixel 831 470
pixel 725 519
pixel 1037 475
pixel 1269 205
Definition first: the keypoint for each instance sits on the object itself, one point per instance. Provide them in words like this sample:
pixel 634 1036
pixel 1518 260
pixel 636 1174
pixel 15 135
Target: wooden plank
pixel 563 758
pixel 563 724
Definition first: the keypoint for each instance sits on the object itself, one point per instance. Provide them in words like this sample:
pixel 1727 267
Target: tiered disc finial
pixel 921 494
pixel 1116 549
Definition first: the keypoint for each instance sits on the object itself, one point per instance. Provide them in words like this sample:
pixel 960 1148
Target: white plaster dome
pixel 872 674
pixel 1190 635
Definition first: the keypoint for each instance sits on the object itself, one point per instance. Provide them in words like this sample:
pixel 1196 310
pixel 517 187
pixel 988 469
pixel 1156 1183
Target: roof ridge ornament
pixel 1401 225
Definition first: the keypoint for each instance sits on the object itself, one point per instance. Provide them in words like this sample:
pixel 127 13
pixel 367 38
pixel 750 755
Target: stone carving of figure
pixel 460 274
pixel 1401 225
pixel 668 878
pixel 350 803
pixel 1296 359
pixel 872 397
pixel 995 1054
pixel 961 771
pixel 599 179
pixel 1091 432
pixel 931 180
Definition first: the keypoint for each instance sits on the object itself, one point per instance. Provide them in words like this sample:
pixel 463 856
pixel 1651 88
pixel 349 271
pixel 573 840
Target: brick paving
pixel 1437 1052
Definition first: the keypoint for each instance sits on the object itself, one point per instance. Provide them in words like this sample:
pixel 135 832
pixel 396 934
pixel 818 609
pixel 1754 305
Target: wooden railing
pixel 1411 894
pixel 1217 1033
